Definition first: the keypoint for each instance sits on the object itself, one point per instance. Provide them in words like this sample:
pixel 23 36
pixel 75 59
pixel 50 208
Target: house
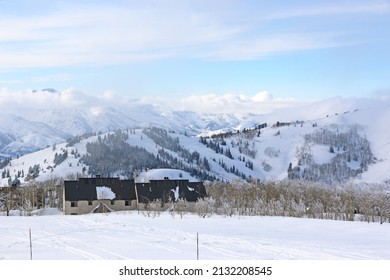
pixel 97 195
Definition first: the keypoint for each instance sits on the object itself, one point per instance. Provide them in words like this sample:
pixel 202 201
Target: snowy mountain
pixel 332 141
pixel 20 136
pixel 38 128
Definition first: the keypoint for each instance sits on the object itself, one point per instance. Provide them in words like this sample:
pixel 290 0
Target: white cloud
pixel 254 48
pixel 112 33
pixel 104 34
pixel 18 101
pixel 262 97
pixel 74 98
pixel 259 103
pixel 21 102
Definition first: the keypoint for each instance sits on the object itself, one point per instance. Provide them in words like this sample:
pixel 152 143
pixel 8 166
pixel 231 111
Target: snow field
pixel 129 235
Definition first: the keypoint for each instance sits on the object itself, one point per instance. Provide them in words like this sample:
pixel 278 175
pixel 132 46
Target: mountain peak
pixel 51 90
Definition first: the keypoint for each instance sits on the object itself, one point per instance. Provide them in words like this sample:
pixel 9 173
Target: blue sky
pixel 301 50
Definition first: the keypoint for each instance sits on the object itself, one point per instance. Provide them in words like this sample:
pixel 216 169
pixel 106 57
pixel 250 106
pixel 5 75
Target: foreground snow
pixel 129 235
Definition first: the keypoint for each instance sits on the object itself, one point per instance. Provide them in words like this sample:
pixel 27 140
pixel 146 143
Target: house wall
pixel 83 207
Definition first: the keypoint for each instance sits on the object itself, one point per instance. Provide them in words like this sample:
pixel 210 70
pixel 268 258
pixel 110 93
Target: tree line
pixel 33 196
pixel 289 198
pixel 298 198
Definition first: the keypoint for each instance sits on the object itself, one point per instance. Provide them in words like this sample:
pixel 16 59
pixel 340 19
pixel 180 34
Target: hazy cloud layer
pixel 260 103
pixel 127 31
pixel 20 102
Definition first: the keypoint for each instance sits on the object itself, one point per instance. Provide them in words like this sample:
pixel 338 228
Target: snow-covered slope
pixel 20 136
pixel 37 129
pixel 264 153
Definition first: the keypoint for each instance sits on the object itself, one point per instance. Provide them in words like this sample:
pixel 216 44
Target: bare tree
pixel 205 207
pixel 180 207
pixel 6 199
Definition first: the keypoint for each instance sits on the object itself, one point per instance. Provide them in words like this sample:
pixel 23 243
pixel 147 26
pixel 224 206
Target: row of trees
pixel 161 137
pixel 301 199
pixel 33 196
pixel 293 198
pixel 200 169
pixel 5 162
pixel 220 146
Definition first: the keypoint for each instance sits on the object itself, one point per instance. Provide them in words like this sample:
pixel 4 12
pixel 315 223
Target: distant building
pixel 99 195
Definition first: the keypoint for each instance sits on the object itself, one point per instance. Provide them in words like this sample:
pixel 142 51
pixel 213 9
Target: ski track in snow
pixel 131 236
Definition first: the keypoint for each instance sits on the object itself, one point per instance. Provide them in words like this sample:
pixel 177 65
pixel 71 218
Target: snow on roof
pixel 176 193
pixel 103 192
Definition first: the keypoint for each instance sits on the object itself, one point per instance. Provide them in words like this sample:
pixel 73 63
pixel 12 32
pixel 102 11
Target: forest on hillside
pixel 329 155
pixel 113 155
pixel 350 155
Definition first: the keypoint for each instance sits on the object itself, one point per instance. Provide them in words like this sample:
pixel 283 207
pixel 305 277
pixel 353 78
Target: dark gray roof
pixel 85 188
pixel 162 189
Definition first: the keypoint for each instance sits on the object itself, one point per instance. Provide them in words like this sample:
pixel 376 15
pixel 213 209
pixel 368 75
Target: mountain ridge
pixel 263 154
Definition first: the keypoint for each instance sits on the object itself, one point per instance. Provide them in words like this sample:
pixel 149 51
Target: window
pixel 112 202
pixel 73 204
pixel 89 202
pixel 127 203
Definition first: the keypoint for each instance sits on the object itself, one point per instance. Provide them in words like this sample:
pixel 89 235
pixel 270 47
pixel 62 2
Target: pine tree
pixel 289 170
